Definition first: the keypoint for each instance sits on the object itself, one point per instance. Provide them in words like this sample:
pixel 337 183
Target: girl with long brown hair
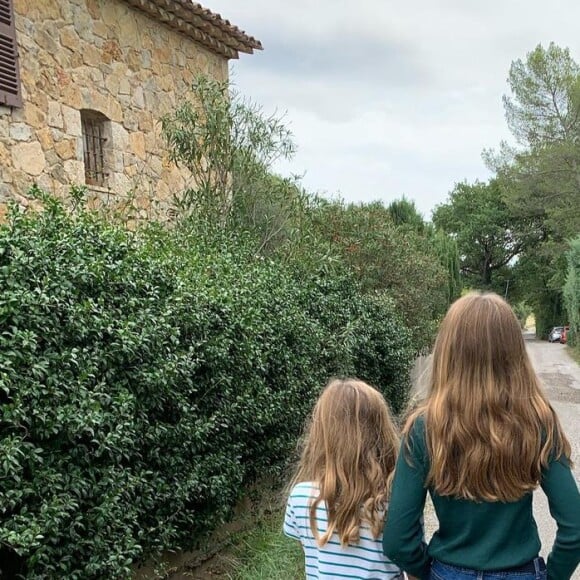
pixel 482 441
pixel 341 487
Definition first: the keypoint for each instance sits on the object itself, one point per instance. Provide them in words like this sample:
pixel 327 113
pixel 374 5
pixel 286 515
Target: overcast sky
pixel 390 98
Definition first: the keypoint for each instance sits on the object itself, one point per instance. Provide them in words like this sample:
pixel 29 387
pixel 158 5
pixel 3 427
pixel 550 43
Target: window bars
pixel 94 143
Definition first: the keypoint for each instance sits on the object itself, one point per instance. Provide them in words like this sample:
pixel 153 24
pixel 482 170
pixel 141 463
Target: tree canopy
pixel 487 233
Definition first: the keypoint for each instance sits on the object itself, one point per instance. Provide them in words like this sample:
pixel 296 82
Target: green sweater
pixel 477 535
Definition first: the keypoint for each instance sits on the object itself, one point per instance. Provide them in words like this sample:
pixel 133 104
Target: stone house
pixel 83 84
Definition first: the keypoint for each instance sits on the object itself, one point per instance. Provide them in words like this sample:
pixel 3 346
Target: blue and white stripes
pixel 365 561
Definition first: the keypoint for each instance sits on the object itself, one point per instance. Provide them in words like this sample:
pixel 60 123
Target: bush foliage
pixel 147 377
pixel 572 292
pixel 393 259
pixel 231 146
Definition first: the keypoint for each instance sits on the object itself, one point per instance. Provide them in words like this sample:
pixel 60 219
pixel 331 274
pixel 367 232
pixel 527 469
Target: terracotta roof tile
pixel 201 24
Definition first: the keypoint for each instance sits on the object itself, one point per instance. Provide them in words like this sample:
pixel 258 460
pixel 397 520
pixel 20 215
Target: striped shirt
pixel 363 561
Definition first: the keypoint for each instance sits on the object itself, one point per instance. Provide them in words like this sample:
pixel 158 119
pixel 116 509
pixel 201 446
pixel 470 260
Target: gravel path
pixel 561 378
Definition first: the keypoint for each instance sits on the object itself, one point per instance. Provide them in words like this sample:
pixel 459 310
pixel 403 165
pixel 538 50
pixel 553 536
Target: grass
pixel 265 553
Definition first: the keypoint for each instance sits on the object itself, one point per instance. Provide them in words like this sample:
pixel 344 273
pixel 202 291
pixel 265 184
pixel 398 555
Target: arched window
pixel 96 147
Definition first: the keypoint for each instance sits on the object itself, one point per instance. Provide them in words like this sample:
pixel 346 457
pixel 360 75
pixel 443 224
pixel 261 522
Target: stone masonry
pixel 104 56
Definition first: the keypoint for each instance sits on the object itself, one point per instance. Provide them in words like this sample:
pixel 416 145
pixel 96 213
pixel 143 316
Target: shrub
pixel 393 259
pixel 523 312
pixel 572 291
pixel 146 378
pixel 231 146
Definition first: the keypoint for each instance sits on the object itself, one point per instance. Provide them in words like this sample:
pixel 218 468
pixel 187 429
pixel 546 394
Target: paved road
pixel 561 378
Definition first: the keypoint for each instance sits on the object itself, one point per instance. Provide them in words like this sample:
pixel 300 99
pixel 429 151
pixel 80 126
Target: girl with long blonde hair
pixel 341 487
pixel 482 441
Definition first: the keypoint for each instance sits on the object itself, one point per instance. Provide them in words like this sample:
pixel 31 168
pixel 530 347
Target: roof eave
pixel 201 25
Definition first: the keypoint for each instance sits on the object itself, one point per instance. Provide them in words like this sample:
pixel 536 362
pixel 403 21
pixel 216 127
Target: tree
pixel 488 236
pixel 543 114
pixel 541 179
pixel 572 291
pixel 406 216
pixel 446 248
pixel 537 279
pixel 387 258
pixel 228 144
pixel 404 213
pixel 543 107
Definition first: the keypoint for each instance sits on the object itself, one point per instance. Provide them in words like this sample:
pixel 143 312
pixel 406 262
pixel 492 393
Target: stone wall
pixel 104 56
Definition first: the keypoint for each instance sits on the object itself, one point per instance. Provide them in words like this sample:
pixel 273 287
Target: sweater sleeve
pixel 290 526
pixel 403 540
pixel 563 496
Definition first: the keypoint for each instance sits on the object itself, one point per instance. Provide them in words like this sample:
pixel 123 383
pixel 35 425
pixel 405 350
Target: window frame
pixel 96 144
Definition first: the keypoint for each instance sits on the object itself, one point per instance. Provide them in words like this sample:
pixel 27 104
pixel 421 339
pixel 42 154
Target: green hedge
pixel 146 378
pixel 572 291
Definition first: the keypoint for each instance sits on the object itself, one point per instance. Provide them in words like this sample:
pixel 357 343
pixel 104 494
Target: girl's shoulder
pixel 414 441
pixel 301 497
pixel 416 427
pixel 305 490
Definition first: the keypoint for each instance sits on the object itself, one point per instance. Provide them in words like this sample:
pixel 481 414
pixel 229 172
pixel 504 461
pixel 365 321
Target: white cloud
pixel 388 98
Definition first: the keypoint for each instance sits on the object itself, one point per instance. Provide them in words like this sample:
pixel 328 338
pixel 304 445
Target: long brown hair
pixel 349 451
pixel 489 427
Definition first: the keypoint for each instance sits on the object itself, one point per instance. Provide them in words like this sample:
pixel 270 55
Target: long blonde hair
pixel 489 428
pixel 349 450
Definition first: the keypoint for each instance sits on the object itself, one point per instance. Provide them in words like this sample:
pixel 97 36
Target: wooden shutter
pixel 10 93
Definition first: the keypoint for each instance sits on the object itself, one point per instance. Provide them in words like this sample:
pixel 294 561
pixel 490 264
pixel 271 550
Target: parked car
pixel 564 334
pixel 555 334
